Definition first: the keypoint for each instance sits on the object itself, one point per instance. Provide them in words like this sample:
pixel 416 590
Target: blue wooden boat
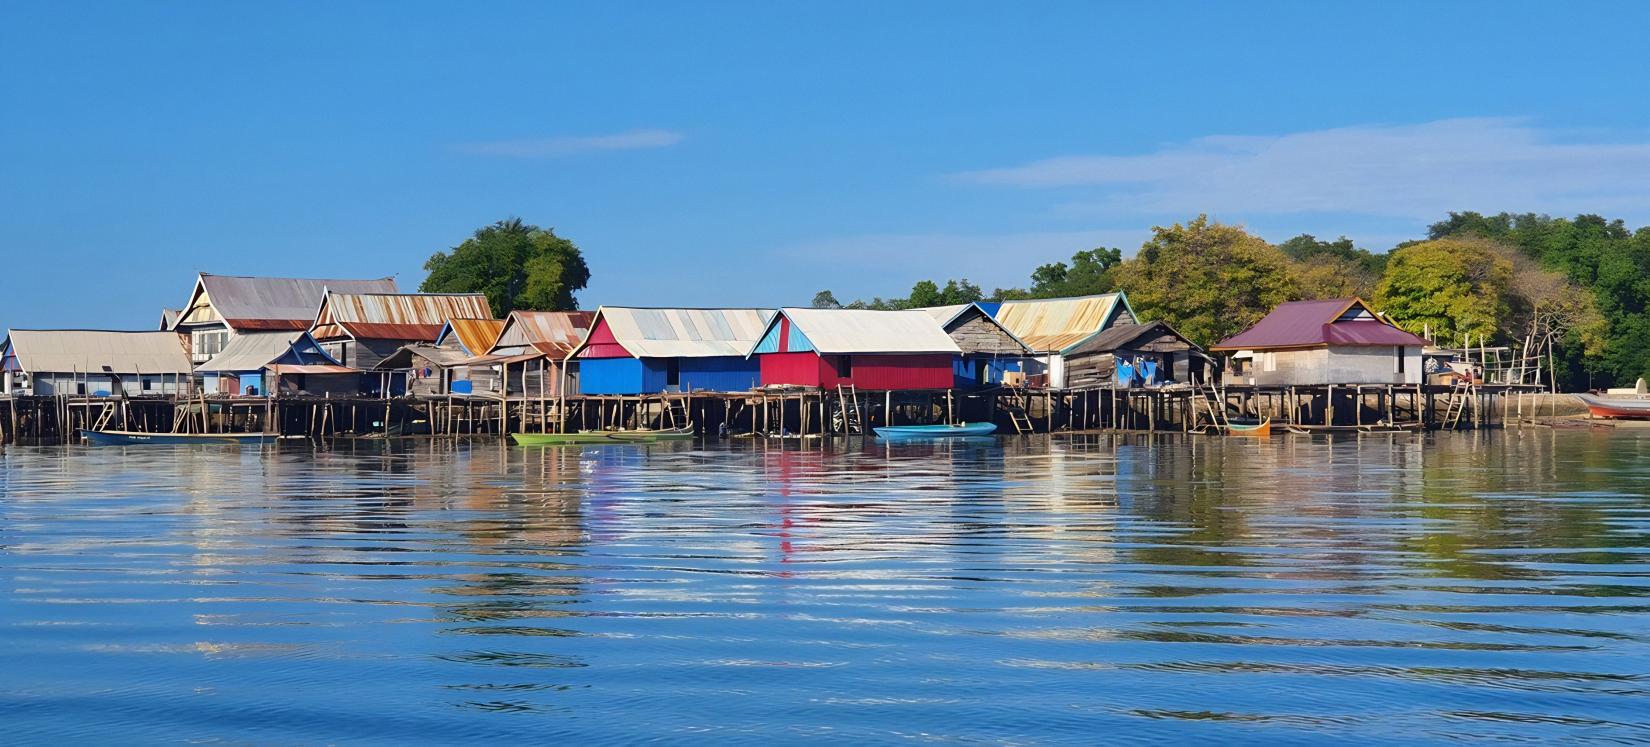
pixel 133 438
pixel 936 431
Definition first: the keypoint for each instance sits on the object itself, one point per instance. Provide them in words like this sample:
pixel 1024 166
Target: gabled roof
pixel 1055 325
pixel 474 336
pixel 394 316
pixel 1120 336
pixel 1306 324
pixel 837 331
pixel 551 333
pixel 250 351
pixel 169 319
pixel 948 315
pixel 680 333
pixel 443 357
pixel 90 351
pixel 257 303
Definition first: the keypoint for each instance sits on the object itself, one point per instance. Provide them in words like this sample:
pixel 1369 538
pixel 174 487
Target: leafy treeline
pixel 518 266
pixel 1574 291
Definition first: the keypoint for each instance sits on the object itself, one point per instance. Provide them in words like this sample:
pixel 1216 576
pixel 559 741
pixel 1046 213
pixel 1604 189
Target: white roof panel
pixel 868 331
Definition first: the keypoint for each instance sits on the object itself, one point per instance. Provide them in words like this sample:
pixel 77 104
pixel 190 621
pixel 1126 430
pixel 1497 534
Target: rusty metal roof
pixel 91 351
pixel 551 333
pixel 268 303
pixel 1053 325
pixel 417 317
pixel 474 336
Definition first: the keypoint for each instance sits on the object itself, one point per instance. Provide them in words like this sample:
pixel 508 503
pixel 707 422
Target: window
pixel 845 366
pixel 673 372
pixel 1400 362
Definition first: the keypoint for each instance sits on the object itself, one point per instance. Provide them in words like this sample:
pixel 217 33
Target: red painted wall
pixel 869 371
pixel 800 369
pixel 603 344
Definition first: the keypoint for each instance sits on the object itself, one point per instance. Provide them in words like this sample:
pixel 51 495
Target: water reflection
pixel 1483 586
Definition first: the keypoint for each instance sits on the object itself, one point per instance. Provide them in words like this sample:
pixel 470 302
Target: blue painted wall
pixel 652 375
pixel 965 370
pixel 621 376
pixel 725 374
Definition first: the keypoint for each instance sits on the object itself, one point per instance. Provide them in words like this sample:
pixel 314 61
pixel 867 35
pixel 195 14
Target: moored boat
pixel 936 431
pixel 1263 429
pixel 1613 407
pixel 603 437
pixel 134 438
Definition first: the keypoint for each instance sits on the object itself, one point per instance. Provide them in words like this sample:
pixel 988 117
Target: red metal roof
pixel 1302 324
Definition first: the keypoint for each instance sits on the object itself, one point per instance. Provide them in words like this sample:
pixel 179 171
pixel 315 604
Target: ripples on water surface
pixel 1444 588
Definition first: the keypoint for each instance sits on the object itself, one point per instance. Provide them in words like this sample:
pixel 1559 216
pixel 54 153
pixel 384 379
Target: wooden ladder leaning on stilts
pixel 1214 400
pixel 1018 416
pixel 848 401
pixel 1460 397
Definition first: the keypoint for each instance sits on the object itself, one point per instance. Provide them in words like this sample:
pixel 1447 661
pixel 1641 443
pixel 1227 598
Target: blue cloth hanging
pixel 1148 372
pixel 1125 373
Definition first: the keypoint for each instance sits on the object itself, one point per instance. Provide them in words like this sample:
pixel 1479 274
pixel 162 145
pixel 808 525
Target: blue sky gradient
pixel 752 154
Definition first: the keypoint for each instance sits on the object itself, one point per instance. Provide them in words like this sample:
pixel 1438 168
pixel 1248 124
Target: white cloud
pixel 553 147
pixel 1416 171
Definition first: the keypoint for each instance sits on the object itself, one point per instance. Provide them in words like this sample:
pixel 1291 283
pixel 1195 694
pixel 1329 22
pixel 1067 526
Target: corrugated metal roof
pixel 1300 324
pixel 1050 325
pixel 395 316
pixel 1124 335
pixel 947 315
pixel 684 333
pixel 443 357
pixel 169 318
pixel 250 351
pixel 89 351
pixel 867 331
pixel 552 333
pixel 269 303
pixel 475 336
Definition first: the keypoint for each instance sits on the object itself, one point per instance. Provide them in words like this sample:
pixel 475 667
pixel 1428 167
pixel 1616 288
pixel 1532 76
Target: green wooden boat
pixel 603 437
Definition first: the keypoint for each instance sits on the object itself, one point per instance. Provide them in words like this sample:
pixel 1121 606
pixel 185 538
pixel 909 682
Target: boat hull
pixel 897 432
pixel 131 438
pixel 601 437
pixel 1263 429
pixel 1619 409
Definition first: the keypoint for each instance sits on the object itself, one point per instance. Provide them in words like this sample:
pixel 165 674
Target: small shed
pixel 361 329
pixel 633 350
pixel 1053 327
pixel 1132 355
pixel 93 362
pixel 304 368
pixel 874 350
pixel 449 364
pixel 989 350
pixel 1333 341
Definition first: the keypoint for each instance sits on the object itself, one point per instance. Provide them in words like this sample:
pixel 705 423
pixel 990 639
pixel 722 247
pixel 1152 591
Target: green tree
pixel 826 300
pixel 518 266
pixel 1449 287
pixel 1207 279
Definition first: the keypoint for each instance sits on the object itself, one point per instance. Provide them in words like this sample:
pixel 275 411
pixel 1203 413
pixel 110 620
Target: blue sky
pixel 752 154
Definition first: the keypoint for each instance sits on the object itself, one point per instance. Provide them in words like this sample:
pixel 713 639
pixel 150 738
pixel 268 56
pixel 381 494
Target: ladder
pixel 848 400
pixel 1460 397
pixel 103 418
pixel 676 410
pixel 1214 400
pixel 1018 416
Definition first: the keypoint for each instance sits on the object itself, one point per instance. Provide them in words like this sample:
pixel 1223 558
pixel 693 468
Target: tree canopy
pixel 1207 279
pixel 518 266
pixel 1449 287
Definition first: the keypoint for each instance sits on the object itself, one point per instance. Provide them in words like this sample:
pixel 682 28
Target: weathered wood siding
pixel 974 333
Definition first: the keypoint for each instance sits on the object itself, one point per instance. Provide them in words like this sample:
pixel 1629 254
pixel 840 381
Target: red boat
pixel 1611 407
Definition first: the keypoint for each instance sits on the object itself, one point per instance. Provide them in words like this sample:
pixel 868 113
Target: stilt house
pixel 645 351
pixel 1334 341
pixel 1054 327
pixel 223 306
pixel 448 364
pixel 989 350
pixel 1136 355
pixel 874 350
pixel 361 329
pixel 533 347
pixel 82 362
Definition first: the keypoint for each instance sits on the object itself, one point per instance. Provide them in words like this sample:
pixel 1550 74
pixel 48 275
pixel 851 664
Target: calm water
pixel 1395 588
